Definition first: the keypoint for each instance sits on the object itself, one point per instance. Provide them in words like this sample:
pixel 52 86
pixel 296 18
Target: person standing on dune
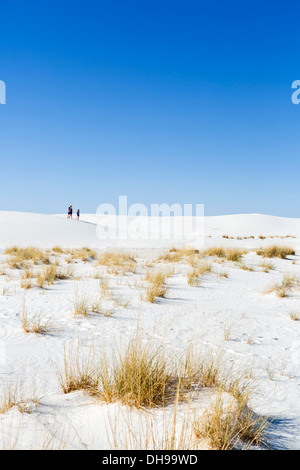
pixel 70 212
pixel 78 214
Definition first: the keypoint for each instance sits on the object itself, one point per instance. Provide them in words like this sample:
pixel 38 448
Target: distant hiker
pixel 70 212
pixel 78 214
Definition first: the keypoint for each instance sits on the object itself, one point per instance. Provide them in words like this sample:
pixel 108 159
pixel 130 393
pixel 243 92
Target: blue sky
pixel 163 101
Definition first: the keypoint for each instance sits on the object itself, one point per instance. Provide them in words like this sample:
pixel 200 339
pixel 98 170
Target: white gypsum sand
pixel 76 299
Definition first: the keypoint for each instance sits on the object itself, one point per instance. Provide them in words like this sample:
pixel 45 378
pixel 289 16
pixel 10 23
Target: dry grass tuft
pixel 20 257
pixel 26 284
pixel 193 278
pixel 234 254
pixel 139 376
pixel 156 287
pixel 17 395
pixel 266 266
pixel 105 289
pixel 288 283
pixel 84 254
pixel 36 324
pixel 276 251
pixel 46 276
pixel 79 371
pixel 57 249
pixel 177 255
pixel 230 424
pixel 117 261
pixel 217 251
pixel 81 305
pixel 204 268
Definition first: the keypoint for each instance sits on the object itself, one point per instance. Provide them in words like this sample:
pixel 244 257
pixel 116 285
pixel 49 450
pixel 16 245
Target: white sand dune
pixel 48 230
pixel 262 339
pixel 43 230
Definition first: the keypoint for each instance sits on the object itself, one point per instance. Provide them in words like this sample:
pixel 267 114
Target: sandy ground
pixel 233 315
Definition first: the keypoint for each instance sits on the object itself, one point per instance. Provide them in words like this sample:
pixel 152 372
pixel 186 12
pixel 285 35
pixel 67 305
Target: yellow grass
pixel 84 254
pixel 79 371
pixel 117 261
pixel 139 376
pixel 230 424
pixel 281 289
pixel 156 287
pixel 275 251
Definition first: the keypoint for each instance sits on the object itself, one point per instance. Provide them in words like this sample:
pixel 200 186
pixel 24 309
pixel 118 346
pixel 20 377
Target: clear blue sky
pixel 164 101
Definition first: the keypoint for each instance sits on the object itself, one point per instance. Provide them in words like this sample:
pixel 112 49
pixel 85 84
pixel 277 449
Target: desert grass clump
pixel 46 276
pixel 193 278
pixel 51 274
pixel 201 368
pixel 64 273
pixel 281 289
pixel 117 261
pixel 20 257
pixel 58 250
pixel 229 424
pixel 84 254
pixel 294 316
pixel 215 251
pixel 81 305
pixel 156 287
pixel 139 376
pixel 204 268
pixel 223 274
pixel 266 266
pixel 27 274
pixel 177 255
pixel 234 254
pixel 16 394
pixel 36 324
pixel 154 292
pixel 275 251
pixel 105 289
pixel 79 371
pixel 156 278
pixel 245 267
pixel 26 284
